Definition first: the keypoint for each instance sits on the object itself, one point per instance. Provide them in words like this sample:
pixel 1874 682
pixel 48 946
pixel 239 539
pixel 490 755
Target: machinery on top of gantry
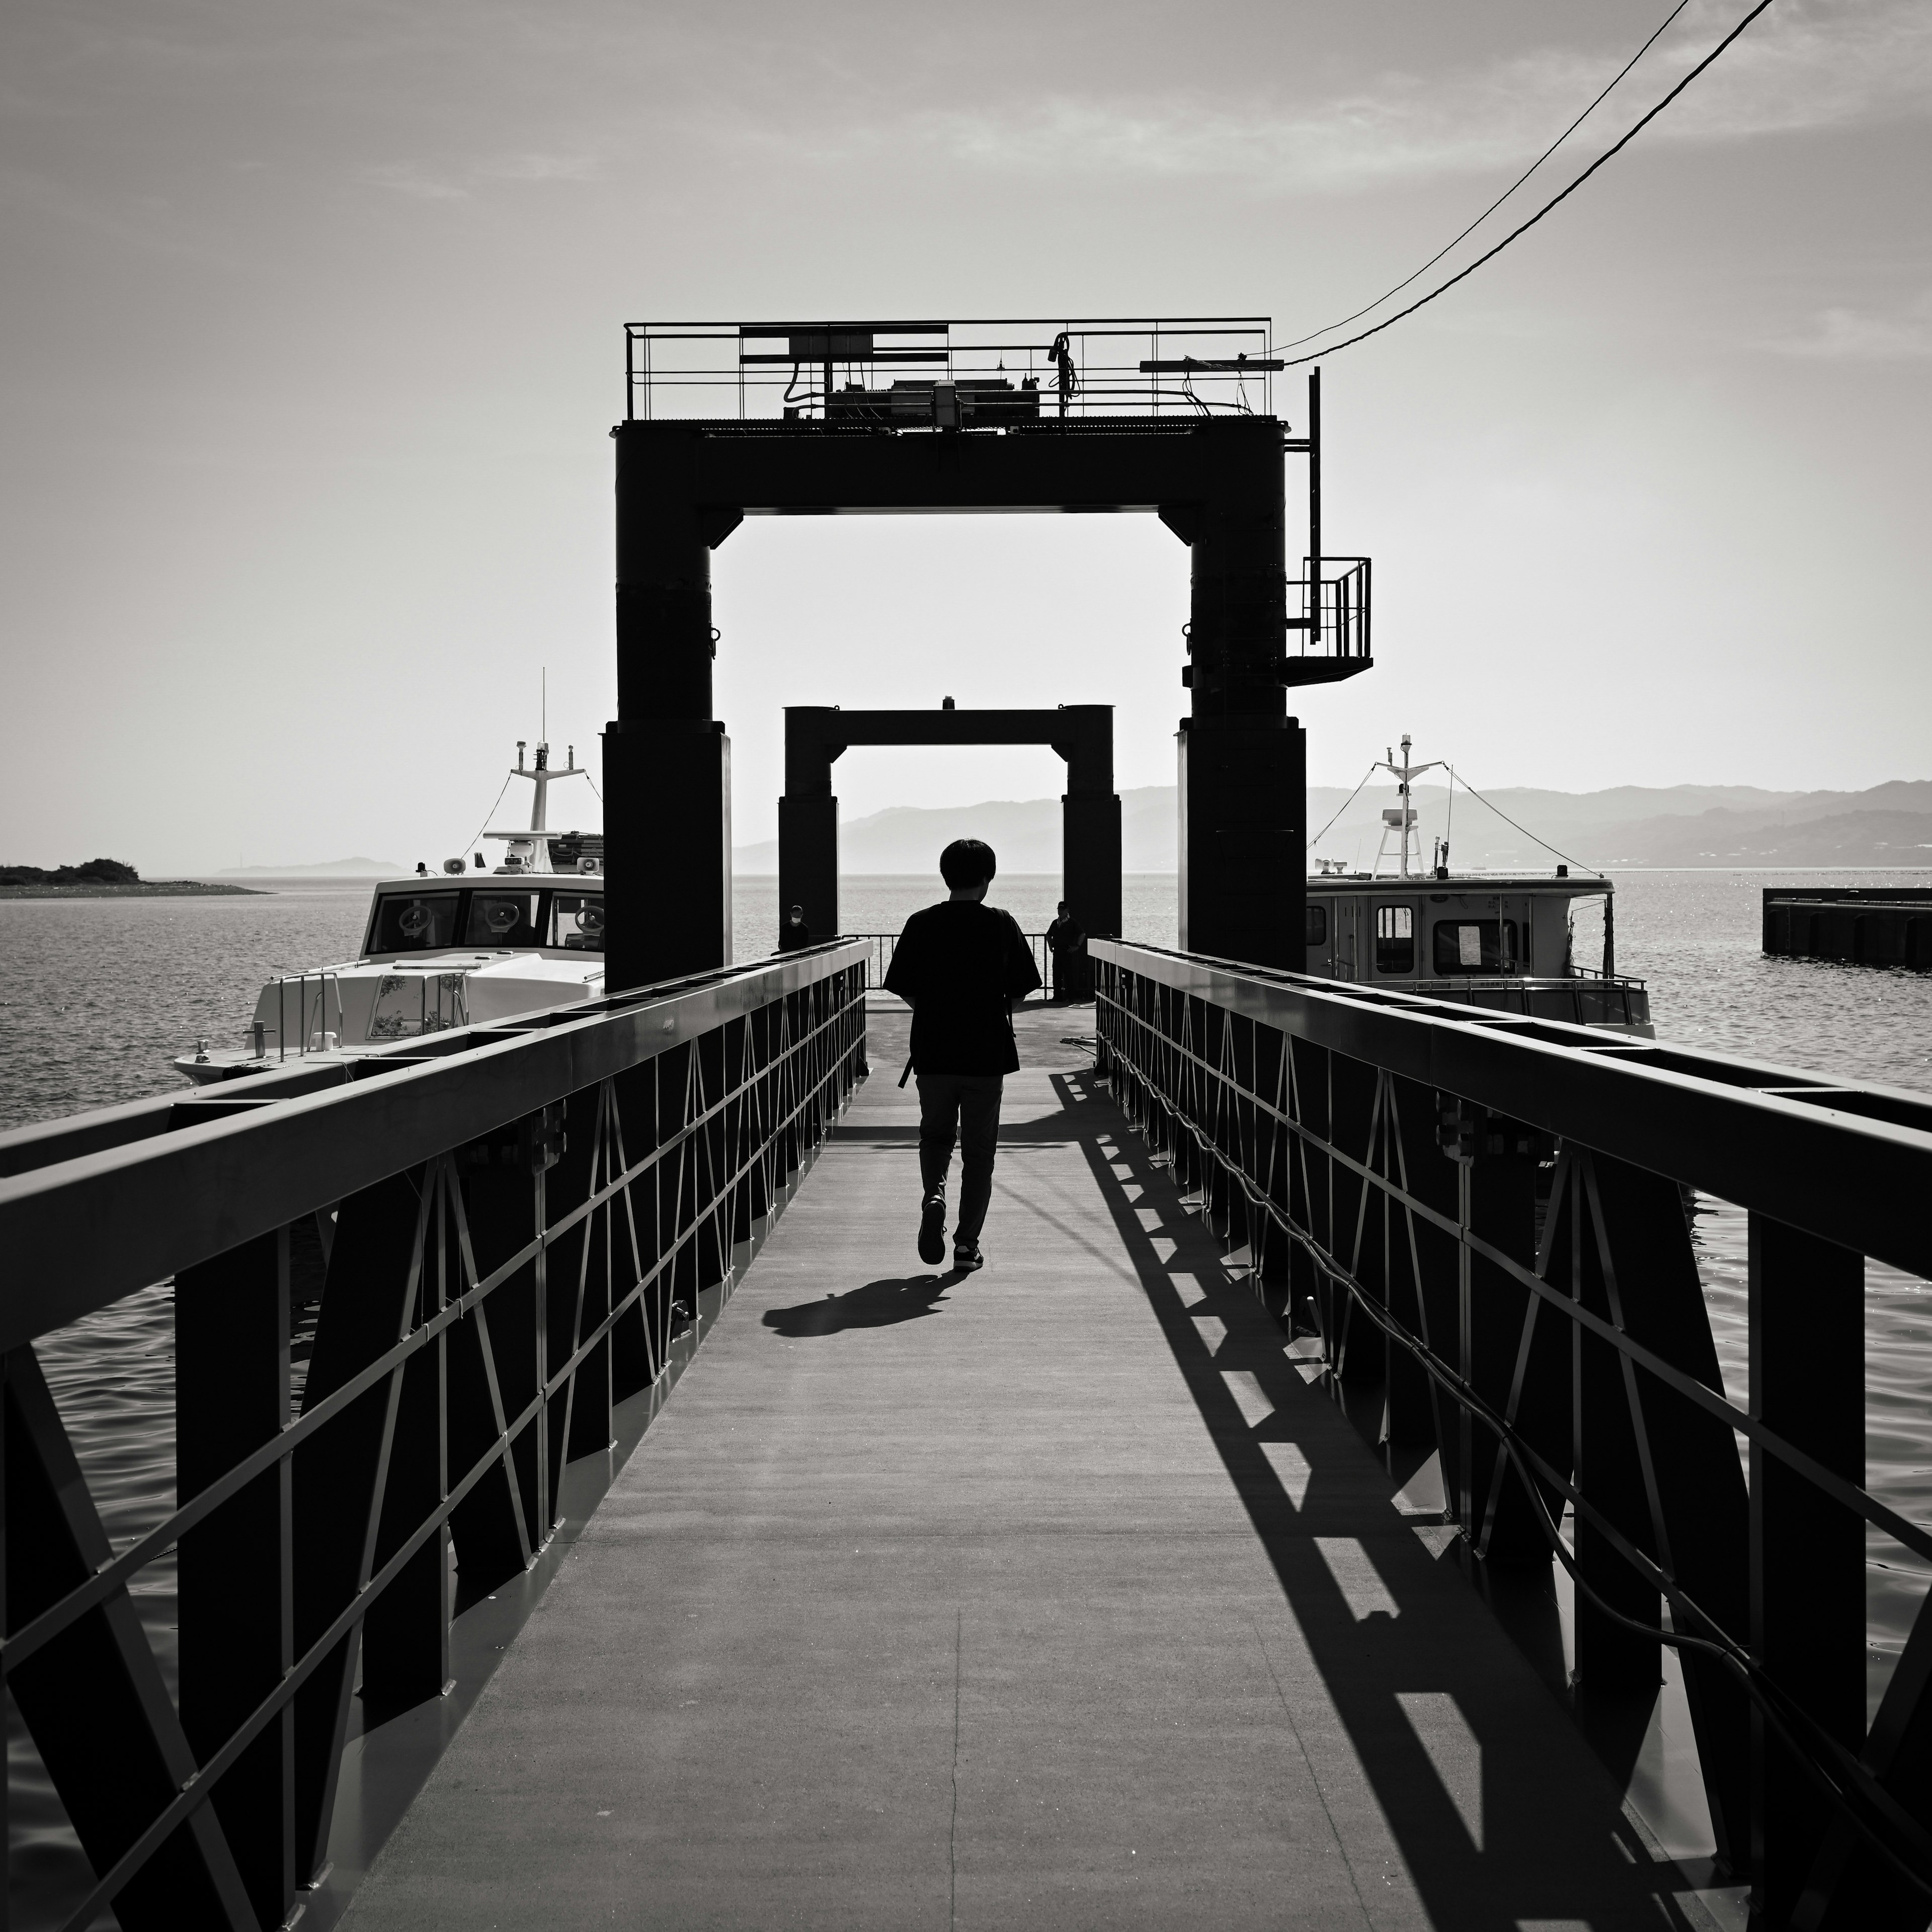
pixel 1170 416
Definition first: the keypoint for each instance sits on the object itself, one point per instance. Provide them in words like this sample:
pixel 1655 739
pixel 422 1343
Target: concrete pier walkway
pixel 1048 1596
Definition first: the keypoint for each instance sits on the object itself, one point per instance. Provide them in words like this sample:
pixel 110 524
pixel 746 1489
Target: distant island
pixel 103 879
pixel 325 868
pixel 1672 826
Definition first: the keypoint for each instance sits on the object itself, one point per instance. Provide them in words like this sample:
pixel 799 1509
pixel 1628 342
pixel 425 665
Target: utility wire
pixel 1523 828
pixel 489 814
pixel 1345 803
pixel 1506 193
pixel 1462 274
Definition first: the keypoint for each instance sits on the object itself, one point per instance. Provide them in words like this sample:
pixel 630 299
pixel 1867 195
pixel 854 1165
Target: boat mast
pixel 529 851
pixel 1402 820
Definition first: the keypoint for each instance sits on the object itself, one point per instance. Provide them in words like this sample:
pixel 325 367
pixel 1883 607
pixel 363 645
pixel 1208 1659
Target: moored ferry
pixel 461 948
pixel 1502 940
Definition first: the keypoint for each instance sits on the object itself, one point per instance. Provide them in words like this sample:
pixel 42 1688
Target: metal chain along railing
pixel 1484 1218
pixel 522 1223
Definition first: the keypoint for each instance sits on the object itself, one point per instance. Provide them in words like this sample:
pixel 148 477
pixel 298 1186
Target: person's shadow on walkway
pixel 878 1305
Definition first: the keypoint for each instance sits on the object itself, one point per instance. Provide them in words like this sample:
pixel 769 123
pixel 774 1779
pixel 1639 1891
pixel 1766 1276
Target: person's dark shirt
pixel 1064 933
pixel 791 937
pixel 960 963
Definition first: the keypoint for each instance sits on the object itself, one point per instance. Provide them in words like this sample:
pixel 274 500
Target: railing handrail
pixel 1551 1296
pixel 80 1230
pixel 1856 1161
pixel 882 943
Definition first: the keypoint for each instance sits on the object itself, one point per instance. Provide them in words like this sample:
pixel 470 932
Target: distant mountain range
pixel 328 869
pixel 1628 825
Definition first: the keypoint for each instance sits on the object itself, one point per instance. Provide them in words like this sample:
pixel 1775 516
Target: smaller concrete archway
pixel 1083 734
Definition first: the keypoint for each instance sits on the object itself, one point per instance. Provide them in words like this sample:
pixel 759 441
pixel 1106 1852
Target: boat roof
pixel 451 882
pixel 1574 883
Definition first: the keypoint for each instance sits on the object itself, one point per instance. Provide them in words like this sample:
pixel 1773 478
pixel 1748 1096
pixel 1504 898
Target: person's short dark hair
pixel 967 862
pixel 798 912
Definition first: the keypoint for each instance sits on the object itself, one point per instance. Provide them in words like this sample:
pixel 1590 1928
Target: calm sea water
pixel 98 995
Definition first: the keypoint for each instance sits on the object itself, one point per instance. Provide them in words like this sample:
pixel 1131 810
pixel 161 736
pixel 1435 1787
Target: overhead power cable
pixel 1457 776
pixel 1489 255
pixel 1502 198
pixel 492 812
pixel 1345 803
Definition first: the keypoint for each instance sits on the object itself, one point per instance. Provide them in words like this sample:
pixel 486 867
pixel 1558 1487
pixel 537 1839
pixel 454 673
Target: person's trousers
pixel 964 1107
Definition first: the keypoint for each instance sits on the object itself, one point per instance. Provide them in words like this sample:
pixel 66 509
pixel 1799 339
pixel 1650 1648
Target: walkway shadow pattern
pixel 1502 1820
pixel 879 1304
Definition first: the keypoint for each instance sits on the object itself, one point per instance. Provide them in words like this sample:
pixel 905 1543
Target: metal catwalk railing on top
pixel 1484 1218
pixel 521 1221
pixel 990 373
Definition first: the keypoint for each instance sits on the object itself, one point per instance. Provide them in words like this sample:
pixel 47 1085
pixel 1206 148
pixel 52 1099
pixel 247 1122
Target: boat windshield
pixel 495 918
pixel 502 919
pixel 414 922
pixel 576 922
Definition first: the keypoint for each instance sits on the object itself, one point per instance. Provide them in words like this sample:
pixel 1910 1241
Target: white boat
pixel 462 948
pixel 1505 941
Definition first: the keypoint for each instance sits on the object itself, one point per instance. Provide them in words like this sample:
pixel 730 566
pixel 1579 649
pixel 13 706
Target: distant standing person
pixel 962 966
pixel 794 933
pixel 1068 945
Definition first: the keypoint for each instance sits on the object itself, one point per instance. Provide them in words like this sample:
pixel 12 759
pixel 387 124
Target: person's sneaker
pixel 966 1257
pixel 932 1230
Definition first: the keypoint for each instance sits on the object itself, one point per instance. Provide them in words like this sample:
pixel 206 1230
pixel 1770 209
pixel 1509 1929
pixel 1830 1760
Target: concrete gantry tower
pixel 1080 434
pixel 817 735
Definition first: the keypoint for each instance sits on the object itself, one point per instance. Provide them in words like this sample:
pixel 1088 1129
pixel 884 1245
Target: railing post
pixel 1808 1552
pixel 1613 1660
pixel 503 1521
pixel 405 1636
pixel 1358 1352
pixel 236 1566
pixel 1495 1204
pixel 1310 1188
pixel 92 1695
pixel 339 1473
pixel 1422 1282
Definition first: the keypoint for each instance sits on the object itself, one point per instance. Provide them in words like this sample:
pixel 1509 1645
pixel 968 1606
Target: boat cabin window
pixel 576 922
pixel 1475 946
pixel 502 919
pixel 414 922
pixel 1395 939
pixel 1318 925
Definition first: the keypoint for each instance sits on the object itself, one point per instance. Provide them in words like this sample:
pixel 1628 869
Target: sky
pixel 311 335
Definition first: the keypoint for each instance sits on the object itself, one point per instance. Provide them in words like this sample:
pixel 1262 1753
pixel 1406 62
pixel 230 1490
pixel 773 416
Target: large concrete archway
pixel 816 735
pixel 1216 481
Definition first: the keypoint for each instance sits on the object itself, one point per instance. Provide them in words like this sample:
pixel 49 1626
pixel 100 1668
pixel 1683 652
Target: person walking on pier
pixel 963 967
pixel 794 933
pixel 1068 944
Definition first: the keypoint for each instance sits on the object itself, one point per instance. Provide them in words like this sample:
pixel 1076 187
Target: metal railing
pixel 883 945
pixel 1337 624
pixel 522 1223
pixel 1484 1219
pixel 991 373
pixel 301 1038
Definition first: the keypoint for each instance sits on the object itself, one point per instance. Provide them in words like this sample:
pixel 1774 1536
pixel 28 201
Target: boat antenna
pixel 543 703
